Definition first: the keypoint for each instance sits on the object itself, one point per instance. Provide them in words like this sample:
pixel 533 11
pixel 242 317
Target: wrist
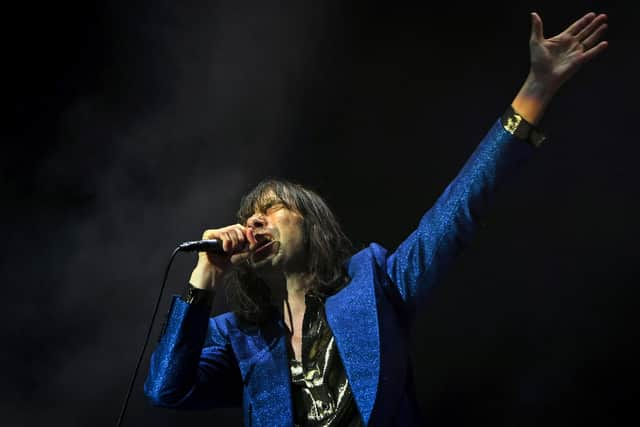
pixel 518 126
pixel 533 98
pixel 205 277
pixel 198 296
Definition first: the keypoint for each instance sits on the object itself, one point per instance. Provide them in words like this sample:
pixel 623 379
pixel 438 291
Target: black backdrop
pixel 134 125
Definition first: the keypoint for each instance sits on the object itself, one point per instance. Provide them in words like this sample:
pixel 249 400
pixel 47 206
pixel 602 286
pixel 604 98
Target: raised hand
pixel 555 59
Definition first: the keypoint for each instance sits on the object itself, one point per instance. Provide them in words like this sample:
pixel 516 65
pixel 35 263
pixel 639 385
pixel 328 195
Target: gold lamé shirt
pixel 320 388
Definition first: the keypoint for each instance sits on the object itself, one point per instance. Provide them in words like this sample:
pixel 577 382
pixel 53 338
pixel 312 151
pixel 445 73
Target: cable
pixel 146 340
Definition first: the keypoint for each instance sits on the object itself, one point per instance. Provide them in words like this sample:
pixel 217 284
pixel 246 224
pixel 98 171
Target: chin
pixel 270 262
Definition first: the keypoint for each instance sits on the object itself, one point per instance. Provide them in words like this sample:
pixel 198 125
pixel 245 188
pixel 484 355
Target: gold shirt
pixel 320 388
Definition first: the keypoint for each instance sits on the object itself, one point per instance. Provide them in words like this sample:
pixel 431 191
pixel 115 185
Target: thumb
pixel 536 28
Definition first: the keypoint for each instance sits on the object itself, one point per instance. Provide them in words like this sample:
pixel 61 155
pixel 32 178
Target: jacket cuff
pixel 199 297
pixel 517 126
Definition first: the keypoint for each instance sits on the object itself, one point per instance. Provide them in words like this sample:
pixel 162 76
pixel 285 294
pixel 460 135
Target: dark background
pixel 134 125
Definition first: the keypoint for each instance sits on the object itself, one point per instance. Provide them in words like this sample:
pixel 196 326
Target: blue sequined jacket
pixel 206 363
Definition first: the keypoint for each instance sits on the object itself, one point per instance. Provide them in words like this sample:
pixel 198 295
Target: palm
pixel 555 59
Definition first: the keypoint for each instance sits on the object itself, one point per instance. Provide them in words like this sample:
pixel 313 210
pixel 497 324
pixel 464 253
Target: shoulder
pixel 367 267
pixel 372 255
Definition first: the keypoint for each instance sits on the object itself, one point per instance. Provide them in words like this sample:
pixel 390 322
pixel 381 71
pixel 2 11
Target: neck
pixel 297 285
pixel 291 287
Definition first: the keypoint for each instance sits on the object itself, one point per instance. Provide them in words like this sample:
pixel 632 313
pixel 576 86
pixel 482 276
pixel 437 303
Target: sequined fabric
pixel 228 362
pixel 320 388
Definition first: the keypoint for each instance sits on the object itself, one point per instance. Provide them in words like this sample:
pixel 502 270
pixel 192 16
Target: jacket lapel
pixel 264 363
pixel 352 316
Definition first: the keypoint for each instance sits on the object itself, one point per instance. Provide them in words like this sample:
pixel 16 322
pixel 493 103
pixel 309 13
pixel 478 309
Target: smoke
pixel 193 107
pixel 140 124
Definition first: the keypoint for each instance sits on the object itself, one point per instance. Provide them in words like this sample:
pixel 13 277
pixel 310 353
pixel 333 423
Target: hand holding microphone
pixel 220 249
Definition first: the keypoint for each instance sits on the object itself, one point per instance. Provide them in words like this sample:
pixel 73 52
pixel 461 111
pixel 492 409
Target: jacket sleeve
pixel 193 366
pixel 447 227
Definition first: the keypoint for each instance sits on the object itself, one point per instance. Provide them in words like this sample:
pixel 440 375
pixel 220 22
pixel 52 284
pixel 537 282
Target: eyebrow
pixel 267 203
pixel 262 201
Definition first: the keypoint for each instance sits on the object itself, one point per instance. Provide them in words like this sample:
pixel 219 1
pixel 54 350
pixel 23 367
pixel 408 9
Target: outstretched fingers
pixel 593 52
pixel 580 24
pixel 590 37
pixel 593 27
pixel 594 37
pixel 588 31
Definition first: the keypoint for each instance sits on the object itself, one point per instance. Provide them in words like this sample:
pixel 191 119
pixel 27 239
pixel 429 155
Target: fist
pixel 236 241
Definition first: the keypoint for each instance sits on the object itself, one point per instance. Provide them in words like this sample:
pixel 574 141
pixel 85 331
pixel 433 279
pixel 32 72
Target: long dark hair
pixel 327 248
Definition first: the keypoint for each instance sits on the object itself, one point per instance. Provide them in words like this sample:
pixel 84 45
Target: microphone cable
pixel 146 340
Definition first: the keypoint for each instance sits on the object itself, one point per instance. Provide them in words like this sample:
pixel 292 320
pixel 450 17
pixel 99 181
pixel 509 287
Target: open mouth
pixel 266 247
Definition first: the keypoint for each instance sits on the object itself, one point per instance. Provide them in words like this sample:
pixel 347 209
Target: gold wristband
pixel 517 126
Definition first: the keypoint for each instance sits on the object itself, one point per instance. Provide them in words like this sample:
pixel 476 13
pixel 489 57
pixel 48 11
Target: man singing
pixel 318 335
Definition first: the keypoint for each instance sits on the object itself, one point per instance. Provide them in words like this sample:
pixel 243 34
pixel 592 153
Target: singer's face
pixel 278 231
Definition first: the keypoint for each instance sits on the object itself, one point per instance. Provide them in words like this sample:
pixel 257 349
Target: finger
pixel 593 25
pixel 251 238
pixel 593 52
pixel 235 242
pixel 227 241
pixel 590 41
pixel 537 32
pixel 209 234
pixel 575 28
pixel 240 238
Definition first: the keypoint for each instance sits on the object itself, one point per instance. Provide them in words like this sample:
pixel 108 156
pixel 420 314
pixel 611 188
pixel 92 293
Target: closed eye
pixel 272 206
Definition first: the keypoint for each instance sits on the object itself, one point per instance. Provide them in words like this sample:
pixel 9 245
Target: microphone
pixel 213 245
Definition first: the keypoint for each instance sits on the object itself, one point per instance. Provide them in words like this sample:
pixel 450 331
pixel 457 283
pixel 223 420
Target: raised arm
pixel 193 366
pixel 448 226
